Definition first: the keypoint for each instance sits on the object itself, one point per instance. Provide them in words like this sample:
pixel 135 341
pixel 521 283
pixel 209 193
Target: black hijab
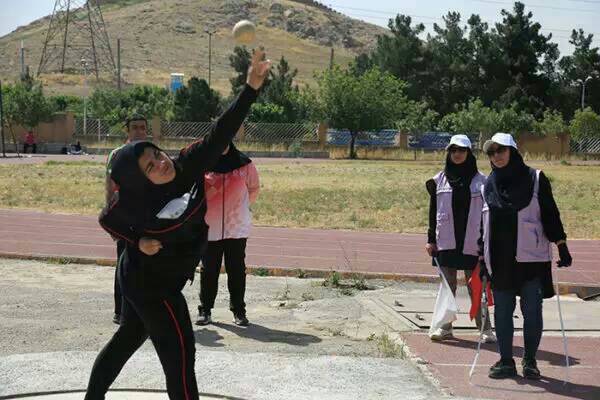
pixel 460 175
pixel 510 187
pixel 141 198
pixel 230 161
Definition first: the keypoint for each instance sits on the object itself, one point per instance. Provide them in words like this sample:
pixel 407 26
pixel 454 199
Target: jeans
pixel 531 308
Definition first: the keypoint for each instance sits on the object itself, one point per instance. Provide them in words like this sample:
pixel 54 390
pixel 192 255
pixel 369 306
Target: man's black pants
pixel 234 252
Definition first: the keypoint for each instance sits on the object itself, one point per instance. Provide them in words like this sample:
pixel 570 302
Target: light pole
pixel 210 33
pixel 2 123
pixel 84 65
pixel 583 83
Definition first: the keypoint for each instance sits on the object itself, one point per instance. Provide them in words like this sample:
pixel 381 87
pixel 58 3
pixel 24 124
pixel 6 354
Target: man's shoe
pixel 117 319
pixel 530 369
pixel 441 334
pixel 240 319
pixel 204 318
pixel 503 369
pixel 488 337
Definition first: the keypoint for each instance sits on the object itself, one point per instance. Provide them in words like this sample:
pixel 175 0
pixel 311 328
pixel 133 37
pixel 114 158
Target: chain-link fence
pixel 586 146
pixel 280 133
pixel 184 130
pixel 101 129
pixel 253 132
pixel 383 138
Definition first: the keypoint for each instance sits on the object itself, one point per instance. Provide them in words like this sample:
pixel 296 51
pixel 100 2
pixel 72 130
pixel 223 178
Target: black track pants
pixel 166 321
pixel 234 251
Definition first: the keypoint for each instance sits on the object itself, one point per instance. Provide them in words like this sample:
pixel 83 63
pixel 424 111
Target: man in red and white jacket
pixel 231 188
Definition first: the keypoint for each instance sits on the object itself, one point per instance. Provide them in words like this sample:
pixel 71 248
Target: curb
pixel 582 291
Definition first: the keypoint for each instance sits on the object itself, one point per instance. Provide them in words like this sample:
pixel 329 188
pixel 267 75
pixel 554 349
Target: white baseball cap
pixel 503 139
pixel 459 141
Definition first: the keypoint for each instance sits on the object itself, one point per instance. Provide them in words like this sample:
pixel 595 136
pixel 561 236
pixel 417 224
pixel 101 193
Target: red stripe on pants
pixel 185 389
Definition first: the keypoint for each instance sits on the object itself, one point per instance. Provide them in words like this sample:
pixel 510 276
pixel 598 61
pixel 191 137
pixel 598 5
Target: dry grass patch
pixel 355 195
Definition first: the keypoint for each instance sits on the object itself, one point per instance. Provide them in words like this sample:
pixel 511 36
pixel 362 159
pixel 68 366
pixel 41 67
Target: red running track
pixel 38 234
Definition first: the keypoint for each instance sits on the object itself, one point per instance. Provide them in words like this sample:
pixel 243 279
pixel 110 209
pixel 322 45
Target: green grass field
pixel 358 195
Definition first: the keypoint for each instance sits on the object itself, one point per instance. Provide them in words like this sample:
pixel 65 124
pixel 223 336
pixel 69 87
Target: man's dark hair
pixel 135 117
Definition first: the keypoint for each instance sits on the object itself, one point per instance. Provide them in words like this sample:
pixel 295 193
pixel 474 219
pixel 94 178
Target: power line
pixel 394 13
pixel 539 6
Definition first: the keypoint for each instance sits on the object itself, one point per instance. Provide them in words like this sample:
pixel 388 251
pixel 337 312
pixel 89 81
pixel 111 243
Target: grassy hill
pixel 163 36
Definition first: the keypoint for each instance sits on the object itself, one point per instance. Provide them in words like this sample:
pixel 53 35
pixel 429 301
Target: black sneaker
pixel 117 319
pixel 240 319
pixel 530 369
pixel 503 369
pixel 204 318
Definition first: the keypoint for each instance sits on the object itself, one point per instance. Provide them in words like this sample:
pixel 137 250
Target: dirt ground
pixel 53 307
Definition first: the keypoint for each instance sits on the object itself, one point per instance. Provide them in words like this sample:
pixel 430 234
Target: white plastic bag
pixel 445 309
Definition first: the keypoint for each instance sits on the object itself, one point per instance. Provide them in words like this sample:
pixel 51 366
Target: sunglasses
pixel 456 149
pixel 499 150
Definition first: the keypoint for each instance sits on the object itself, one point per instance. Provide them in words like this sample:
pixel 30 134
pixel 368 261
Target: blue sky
pixel 556 16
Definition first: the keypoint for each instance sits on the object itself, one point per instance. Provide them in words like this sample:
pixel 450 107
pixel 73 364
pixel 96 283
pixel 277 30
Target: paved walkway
pixel 282 250
pixel 450 362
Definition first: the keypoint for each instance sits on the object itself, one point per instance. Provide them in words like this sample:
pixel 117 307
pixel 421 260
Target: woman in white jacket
pixel 231 187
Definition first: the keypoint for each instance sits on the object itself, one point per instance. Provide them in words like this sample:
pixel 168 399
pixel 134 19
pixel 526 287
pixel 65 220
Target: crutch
pixel 484 302
pixel 564 336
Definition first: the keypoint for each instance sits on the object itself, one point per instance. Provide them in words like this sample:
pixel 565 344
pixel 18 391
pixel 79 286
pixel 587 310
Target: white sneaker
pixel 441 334
pixel 488 337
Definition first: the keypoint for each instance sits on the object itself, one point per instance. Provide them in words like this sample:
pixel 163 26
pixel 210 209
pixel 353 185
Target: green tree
pixel 451 54
pixel 403 55
pixel 576 68
pixel 196 102
pixel 370 102
pixel 109 104
pixel 474 118
pixel 417 119
pixel 585 124
pixel 240 62
pixel 553 123
pixel 282 91
pixel 25 105
pixel 361 64
pixel 528 60
pixel 511 119
pixel 267 112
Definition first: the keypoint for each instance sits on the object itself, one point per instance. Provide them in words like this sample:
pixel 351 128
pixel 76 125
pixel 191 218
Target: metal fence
pixel 253 132
pixel 280 133
pixel 586 146
pixel 383 138
pixel 101 129
pixel 184 130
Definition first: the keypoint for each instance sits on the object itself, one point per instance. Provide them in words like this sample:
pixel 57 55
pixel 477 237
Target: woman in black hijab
pixel 231 188
pixel 158 210
pixel 454 222
pixel 520 220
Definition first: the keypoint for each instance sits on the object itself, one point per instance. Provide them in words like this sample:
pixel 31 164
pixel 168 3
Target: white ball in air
pixel 244 32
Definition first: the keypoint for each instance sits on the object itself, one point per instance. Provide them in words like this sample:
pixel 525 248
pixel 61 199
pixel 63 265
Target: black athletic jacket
pixel 133 212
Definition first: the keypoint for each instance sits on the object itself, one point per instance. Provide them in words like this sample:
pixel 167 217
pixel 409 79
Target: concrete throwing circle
pixel 111 395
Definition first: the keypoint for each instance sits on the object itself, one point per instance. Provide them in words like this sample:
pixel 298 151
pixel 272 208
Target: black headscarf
pixel 234 159
pixel 460 175
pixel 137 194
pixel 510 187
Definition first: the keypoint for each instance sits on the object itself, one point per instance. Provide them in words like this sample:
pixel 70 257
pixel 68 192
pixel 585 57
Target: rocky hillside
pixel 163 36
